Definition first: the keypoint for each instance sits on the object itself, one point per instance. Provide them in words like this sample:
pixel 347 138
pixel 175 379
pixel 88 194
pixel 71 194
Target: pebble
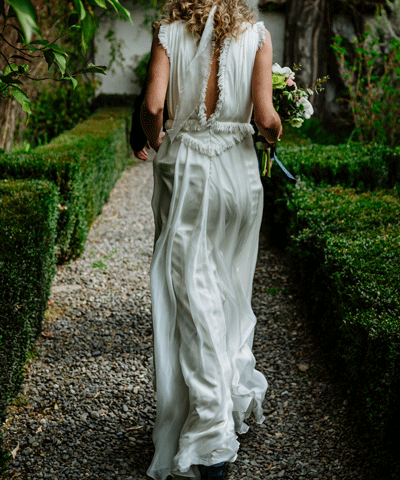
pixel 90 386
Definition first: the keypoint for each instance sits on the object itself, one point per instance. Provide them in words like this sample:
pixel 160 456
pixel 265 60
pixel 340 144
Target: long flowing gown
pixel 207 206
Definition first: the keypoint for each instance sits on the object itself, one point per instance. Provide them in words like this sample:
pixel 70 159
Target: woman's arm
pixel 265 116
pixel 151 115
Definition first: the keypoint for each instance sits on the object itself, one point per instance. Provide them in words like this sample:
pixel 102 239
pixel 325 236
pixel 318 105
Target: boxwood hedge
pixel 345 247
pixel 350 165
pixel 48 200
pixel 28 220
pixel 84 163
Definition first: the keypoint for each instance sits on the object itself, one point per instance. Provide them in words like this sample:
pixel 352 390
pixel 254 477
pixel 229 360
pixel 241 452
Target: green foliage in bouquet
pixel 291 101
pixel 292 104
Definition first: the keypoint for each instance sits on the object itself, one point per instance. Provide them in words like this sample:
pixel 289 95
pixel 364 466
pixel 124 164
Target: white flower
pixel 285 71
pixel 296 122
pixel 308 109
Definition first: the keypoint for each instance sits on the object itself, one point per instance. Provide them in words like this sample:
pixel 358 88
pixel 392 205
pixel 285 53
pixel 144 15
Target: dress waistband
pixel 194 125
pixel 214 138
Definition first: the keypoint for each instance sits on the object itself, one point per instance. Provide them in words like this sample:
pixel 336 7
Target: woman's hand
pixel 159 141
pixel 141 155
pixel 272 140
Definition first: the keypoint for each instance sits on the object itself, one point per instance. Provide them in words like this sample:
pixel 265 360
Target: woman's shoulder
pixel 175 26
pixel 256 31
pixel 169 33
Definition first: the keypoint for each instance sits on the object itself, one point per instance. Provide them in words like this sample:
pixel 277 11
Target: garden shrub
pixel 351 165
pixel 84 163
pixel 28 220
pixel 318 133
pixel 372 79
pixel 58 110
pixel 66 172
pixel 48 200
pixel 345 247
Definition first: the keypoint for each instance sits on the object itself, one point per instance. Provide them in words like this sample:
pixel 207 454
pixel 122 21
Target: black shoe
pixel 216 472
pixel 203 472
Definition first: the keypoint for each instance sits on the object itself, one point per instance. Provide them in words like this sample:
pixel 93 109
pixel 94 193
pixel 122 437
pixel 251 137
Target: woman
pixel 212 63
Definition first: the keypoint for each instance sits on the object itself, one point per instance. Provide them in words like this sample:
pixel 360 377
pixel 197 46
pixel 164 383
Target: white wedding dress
pixel 207 204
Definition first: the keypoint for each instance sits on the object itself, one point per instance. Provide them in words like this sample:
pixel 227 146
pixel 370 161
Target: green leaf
pixel 101 3
pixel 49 56
pixel 117 6
pixel 61 61
pixel 94 69
pixel 23 68
pixel 81 9
pixel 9 79
pixel 57 48
pixel 40 42
pixel 72 80
pixel 27 17
pixel 89 26
pixel 22 99
pixel 12 68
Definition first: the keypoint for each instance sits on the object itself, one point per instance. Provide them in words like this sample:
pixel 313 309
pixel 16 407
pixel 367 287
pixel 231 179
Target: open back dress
pixel 207 205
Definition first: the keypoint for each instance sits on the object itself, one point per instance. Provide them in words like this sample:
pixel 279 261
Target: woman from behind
pixel 212 63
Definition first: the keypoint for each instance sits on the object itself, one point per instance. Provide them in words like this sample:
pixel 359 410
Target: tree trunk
pixel 307 39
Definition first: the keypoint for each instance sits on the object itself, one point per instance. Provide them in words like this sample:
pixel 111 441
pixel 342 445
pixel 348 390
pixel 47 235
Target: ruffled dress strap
pixel 163 38
pixel 260 29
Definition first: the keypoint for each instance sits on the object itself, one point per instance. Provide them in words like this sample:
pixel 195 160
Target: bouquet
pixel 292 105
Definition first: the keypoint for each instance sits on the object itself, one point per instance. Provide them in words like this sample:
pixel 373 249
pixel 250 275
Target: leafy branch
pixel 82 19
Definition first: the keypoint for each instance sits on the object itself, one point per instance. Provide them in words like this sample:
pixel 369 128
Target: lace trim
pixel 163 38
pixel 232 127
pixel 221 85
pixel 260 27
pixel 202 107
pixel 221 80
pixel 212 150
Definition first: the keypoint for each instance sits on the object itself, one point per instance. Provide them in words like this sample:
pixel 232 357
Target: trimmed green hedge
pixel 345 247
pixel 351 166
pixel 48 201
pixel 66 173
pixel 84 163
pixel 341 224
pixel 28 220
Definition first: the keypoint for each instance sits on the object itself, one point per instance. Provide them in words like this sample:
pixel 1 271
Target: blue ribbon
pixel 285 171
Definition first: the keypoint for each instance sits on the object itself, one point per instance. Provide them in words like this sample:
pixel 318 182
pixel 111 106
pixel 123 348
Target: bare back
pixel 212 91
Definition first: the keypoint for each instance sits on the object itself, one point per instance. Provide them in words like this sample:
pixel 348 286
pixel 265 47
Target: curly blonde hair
pixel 228 21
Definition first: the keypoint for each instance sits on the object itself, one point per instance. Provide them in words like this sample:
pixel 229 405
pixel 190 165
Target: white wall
pixel 136 41
pixel 275 23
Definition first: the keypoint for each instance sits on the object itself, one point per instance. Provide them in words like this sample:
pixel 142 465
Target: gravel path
pixel 87 408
